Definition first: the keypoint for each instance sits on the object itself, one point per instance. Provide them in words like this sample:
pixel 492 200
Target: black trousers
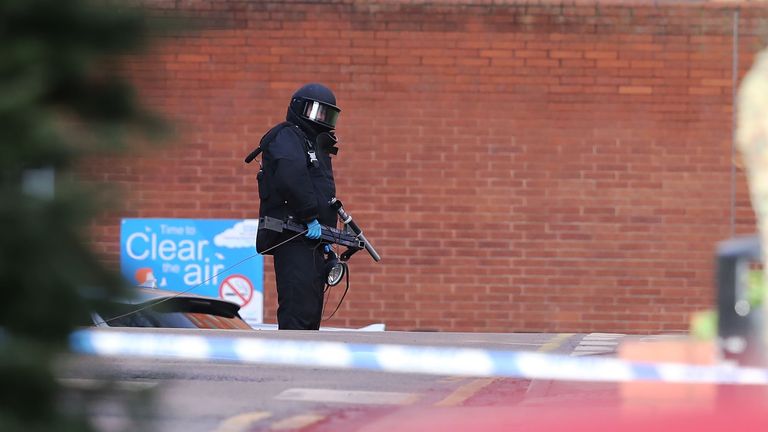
pixel 300 278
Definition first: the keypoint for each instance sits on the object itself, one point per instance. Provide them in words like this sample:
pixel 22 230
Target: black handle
pixel 347 220
pixel 251 156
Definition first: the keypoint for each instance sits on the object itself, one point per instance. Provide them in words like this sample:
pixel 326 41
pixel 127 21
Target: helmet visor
pixel 321 113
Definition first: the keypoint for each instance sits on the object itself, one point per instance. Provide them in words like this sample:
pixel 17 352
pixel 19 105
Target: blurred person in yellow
pixel 752 142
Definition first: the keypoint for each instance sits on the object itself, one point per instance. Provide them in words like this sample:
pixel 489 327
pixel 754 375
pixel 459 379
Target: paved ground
pixel 192 396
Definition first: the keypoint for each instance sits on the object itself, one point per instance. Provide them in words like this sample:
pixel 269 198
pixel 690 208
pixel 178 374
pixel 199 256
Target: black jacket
pixel 289 185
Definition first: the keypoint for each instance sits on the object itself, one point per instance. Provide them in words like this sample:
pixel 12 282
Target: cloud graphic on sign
pixel 242 235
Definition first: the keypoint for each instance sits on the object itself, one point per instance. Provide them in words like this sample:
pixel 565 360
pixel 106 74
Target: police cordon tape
pixel 403 358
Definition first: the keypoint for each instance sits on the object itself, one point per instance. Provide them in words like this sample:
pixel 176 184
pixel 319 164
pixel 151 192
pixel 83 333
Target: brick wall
pixel 520 167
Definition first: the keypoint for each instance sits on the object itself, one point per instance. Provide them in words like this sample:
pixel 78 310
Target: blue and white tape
pixel 404 358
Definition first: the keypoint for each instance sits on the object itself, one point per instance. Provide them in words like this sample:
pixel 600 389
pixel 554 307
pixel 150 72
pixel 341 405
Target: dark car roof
pixel 145 294
pixel 146 297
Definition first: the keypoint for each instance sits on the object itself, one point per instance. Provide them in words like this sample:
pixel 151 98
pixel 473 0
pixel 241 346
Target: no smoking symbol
pixel 237 289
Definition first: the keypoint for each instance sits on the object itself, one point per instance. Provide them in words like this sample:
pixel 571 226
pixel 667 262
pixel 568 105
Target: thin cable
pixel 734 96
pixel 201 283
pixel 327 288
pixel 346 290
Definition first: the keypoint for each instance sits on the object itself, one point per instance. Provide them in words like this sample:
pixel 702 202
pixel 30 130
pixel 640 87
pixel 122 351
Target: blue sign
pixel 198 256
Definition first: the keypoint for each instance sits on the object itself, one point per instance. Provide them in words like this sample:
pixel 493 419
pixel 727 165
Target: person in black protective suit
pixel 296 181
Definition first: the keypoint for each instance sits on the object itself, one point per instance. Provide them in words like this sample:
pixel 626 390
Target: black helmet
pixel 317 104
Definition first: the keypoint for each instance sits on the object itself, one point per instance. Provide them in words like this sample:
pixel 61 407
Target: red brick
pixel 635 90
pixel 192 58
pixel 525 178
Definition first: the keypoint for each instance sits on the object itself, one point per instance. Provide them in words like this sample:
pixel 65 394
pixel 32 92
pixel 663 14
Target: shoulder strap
pixel 308 146
pixel 272 134
pixel 266 139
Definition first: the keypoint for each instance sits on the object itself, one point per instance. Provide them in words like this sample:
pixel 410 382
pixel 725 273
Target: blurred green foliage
pixel 704 323
pixel 755 288
pixel 60 100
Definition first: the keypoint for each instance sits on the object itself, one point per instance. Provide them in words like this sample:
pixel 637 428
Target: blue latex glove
pixel 313 230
